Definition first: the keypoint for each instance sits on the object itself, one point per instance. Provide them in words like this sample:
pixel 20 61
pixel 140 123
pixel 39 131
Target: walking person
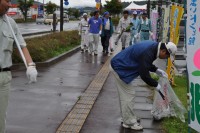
pixel 107 31
pixel 124 29
pixel 144 28
pixel 6 48
pixel 95 26
pixel 134 28
pixel 83 32
pixel 137 60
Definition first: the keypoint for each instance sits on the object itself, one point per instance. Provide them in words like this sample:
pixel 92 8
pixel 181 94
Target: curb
pixel 36 33
pixel 49 62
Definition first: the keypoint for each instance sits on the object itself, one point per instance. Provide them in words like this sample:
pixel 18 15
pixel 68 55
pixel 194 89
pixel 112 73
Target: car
pixel 49 19
pixel 39 20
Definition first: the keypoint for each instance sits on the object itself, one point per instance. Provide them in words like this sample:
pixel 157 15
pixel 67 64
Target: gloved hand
pixel 32 73
pixel 136 35
pixel 158 87
pixel 161 73
pixel 151 33
pixel 100 32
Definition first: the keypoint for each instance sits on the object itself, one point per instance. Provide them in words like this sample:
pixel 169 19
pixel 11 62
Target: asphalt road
pixel 27 28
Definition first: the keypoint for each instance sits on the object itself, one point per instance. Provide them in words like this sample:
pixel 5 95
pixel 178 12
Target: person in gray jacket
pixel 6 49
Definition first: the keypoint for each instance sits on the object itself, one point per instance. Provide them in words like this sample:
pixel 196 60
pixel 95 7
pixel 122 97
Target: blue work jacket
pixel 136 60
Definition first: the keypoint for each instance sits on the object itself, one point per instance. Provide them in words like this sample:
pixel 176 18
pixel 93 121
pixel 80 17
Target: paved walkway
pixel 41 107
pixel 74 88
pixel 105 115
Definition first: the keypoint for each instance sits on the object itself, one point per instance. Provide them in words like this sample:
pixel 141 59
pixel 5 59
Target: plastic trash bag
pixel 171 106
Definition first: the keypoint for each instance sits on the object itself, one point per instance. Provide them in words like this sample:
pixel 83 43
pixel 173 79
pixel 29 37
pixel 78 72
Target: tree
pixel 70 11
pixel 24 6
pixel 113 6
pixel 50 7
pixel 76 13
pixel 153 5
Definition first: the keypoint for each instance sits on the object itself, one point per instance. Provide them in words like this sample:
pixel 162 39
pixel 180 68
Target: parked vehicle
pixel 49 19
pixel 39 20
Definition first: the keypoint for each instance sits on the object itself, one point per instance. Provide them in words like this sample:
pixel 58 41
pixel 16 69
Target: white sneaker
pixel 126 126
pixel 136 126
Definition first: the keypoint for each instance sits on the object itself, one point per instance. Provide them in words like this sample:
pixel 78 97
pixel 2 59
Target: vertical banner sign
pixel 98 5
pixel 154 18
pixel 176 15
pixel 165 24
pixel 193 61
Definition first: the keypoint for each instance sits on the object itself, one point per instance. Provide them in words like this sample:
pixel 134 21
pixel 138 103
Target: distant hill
pixel 16 2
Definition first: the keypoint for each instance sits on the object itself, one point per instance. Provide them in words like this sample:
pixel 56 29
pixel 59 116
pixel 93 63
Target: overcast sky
pixel 73 3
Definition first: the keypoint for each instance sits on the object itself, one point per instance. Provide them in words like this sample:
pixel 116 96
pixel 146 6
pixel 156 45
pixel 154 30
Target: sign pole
pixel 61 15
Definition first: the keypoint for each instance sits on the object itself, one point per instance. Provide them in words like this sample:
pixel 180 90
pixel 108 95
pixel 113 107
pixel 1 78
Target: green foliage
pixel 113 6
pixel 24 6
pixel 73 12
pixel 115 21
pixel 28 20
pixel 50 7
pixel 125 4
pixel 173 124
pixel 76 13
pixel 48 46
pixel 153 5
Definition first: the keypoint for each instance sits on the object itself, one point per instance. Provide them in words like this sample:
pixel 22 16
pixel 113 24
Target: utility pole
pixel 61 15
pixel 148 8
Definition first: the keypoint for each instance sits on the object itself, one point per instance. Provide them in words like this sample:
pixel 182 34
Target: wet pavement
pixel 41 107
pixel 105 115
pixel 28 28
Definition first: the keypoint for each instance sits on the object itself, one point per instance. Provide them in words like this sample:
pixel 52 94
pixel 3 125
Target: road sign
pixel 40 10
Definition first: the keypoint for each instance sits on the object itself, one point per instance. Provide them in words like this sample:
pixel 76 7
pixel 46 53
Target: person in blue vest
pixel 144 28
pixel 95 25
pixel 137 60
pixel 134 29
pixel 107 31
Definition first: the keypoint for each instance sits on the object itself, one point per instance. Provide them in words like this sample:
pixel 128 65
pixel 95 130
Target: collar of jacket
pixel 158 49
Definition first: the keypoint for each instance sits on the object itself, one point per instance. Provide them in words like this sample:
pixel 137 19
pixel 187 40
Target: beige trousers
pixel 5 79
pixel 126 99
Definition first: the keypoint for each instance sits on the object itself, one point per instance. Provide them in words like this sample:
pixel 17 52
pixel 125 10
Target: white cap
pixel 171 48
pixel 135 12
pixel 84 14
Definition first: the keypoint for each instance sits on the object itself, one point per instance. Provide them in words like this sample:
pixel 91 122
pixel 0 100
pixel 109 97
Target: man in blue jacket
pixel 107 31
pixel 137 60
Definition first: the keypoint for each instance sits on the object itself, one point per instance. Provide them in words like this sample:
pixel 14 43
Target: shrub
pixel 48 46
pixel 22 20
pixel 115 21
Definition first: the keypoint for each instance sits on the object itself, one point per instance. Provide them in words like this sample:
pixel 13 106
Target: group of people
pixel 92 29
pixel 129 29
pixel 133 28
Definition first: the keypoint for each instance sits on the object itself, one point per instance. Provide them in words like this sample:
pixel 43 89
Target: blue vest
pixel 127 63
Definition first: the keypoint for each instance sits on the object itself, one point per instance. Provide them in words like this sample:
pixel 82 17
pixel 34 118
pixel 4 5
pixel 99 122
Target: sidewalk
pixel 72 87
pixel 41 107
pixel 105 115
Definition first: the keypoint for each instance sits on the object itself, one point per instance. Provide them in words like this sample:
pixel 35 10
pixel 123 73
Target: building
pixel 15 12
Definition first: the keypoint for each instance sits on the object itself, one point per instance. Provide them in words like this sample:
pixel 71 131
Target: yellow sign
pixel 98 5
pixel 176 15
